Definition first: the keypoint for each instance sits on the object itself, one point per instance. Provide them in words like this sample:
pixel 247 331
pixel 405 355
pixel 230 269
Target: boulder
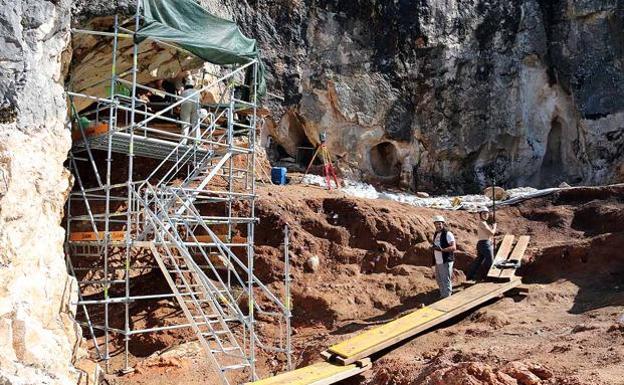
pixel 499 193
pixel 312 264
pixel 38 336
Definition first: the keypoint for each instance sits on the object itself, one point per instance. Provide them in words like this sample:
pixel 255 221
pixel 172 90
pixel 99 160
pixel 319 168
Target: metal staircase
pixel 208 303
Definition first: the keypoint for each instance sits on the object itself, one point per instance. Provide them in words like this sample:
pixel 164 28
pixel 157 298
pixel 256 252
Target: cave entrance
pixel 384 160
pixel 305 152
pixel 296 141
pixel 550 171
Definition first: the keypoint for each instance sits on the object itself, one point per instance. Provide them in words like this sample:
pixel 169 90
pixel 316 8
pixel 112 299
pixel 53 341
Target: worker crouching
pixel 444 256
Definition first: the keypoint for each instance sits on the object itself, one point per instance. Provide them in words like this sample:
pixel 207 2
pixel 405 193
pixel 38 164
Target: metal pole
pixel 109 160
pixel 68 261
pixel 493 211
pixel 135 59
pixel 287 313
pixel 229 214
pixel 252 214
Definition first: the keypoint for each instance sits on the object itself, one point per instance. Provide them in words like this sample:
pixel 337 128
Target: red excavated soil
pixel 375 264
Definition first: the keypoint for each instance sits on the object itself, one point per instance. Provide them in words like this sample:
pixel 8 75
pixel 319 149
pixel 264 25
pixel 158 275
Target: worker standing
pixel 443 252
pixel 485 250
pixel 189 110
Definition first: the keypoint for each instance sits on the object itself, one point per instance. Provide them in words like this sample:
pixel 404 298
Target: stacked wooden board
pixel 506 254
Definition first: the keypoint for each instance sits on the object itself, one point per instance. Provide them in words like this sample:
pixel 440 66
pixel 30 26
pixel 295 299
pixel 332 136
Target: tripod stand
pixel 328 168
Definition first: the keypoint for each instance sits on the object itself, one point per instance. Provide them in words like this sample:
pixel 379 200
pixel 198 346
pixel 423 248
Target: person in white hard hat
pixel 485 250
pixel 443 254
pixel 189 109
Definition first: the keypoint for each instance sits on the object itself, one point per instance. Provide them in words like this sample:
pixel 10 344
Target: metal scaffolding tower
pixel 191 215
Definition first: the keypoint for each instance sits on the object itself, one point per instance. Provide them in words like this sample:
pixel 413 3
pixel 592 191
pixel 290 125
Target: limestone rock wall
pixel 37 335
pixel 444 95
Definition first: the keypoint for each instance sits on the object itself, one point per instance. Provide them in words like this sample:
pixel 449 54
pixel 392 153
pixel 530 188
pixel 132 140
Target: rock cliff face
pixel 446 94
pixel 37 335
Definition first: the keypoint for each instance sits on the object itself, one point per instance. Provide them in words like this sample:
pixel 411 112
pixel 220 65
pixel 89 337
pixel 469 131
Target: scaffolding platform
pixel 143 146
pixel 178 215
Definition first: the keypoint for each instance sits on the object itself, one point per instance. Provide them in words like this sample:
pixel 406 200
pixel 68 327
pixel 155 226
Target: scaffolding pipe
pixel 109 154
pixel 135 61
pixel 287 300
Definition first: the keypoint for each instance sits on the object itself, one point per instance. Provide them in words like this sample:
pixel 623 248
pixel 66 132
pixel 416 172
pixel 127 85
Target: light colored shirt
pixel 450 238
pixel 485 232
pixel 191 105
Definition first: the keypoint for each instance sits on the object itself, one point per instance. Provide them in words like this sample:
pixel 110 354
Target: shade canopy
pixel 189 26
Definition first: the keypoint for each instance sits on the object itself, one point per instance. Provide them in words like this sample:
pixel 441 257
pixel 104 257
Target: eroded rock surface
pixel 443 94
pixel 38 337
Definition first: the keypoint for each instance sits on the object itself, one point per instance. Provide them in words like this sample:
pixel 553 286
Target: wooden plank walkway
pixel 377 339
pixel 321 373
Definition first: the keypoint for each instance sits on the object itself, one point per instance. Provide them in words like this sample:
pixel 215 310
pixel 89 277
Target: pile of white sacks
pixel 460 202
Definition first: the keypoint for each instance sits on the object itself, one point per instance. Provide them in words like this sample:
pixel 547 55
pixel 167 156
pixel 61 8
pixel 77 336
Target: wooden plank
pixel 379 335
pixel 501 255
pixel 517 253
pixel 368 342
pixel 91 236
pixel 321 373
pixel 466 296
pixel 92 130
pixel 223 237
pixel 478 295
pixel 261 112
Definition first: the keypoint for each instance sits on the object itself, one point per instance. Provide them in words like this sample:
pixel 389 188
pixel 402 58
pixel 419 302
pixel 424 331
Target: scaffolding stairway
pixel 208 305
pixel 202 304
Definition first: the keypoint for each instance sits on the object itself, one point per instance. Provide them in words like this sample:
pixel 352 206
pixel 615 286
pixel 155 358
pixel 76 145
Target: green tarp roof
pixel 189 26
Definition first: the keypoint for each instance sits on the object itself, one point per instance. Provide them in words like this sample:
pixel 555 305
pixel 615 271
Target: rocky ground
pixel 374 265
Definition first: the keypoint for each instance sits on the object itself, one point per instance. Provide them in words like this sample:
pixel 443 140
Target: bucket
pixel 278 175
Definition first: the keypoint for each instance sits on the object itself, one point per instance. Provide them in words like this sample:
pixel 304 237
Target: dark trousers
pixel 485 253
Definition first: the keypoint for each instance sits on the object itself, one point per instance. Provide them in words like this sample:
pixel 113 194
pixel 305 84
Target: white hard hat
pixel 483 209
pixel 439 218
pixel 203 113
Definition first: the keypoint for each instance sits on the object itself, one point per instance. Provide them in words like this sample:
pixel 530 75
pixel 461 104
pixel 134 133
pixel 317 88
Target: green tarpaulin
pixel 189 26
